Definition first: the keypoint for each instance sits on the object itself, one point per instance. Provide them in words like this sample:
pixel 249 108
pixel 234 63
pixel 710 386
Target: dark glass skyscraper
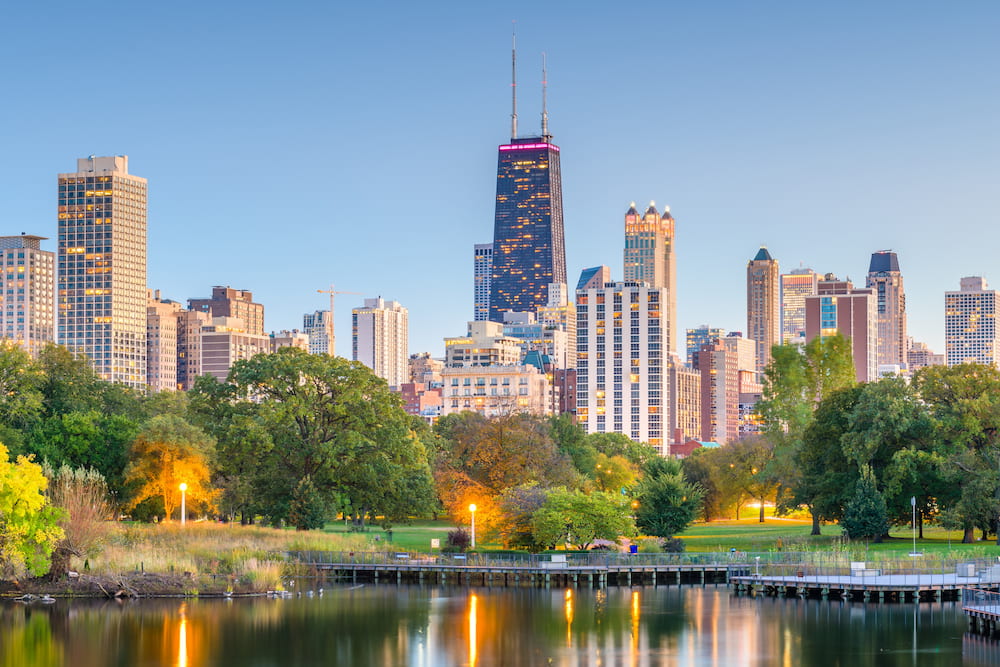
pixel 528 247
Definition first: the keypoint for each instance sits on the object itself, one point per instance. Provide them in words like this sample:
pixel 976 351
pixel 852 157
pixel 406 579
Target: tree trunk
pixel 59 564
pixel 815 517
pixel 985 535
pixel 970 535
pixel 761 511
pixel 920 523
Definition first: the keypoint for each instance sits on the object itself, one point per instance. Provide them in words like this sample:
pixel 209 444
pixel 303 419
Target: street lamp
pixel 184 488
pixel 913 506
pixel 472 509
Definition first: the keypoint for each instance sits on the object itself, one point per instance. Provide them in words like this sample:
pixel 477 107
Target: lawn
pixel 415 536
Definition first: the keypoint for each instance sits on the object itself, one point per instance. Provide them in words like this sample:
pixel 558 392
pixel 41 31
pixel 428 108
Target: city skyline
pixel 822 121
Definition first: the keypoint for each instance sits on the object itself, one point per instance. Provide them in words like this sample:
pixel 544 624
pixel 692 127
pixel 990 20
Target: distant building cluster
pixel 604 352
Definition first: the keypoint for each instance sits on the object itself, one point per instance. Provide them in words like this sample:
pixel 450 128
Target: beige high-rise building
pixel 650 256
pixel 763 305
pixel 560 314
pixel 225 341
pixel 886 283
pixel 286 338
pixel 161 342
pixel 319 326
pixel 483 345
pixel 685 398
pixel 381 339
pixel 102 267
pixel 229 302
pixel 27 288
pixel 189 327
pixel 795 287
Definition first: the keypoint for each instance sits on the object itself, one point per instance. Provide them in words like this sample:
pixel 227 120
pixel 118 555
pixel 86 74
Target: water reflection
pixel 431 626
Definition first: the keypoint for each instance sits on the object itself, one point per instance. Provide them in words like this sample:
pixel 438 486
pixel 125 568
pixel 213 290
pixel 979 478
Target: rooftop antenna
pixel 513 82
pixel 545 112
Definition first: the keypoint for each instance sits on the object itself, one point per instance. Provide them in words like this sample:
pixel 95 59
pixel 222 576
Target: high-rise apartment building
pixel 381 339
pixel 729 387
pixel 685 401
pixel 695 338
pixel 595 276
pixel 560 315
pixel 161 342
pixel 970 329
pixel 886 283
pixel 763 305
pixel 482 280
pixel 229 302
pixel 102 267
pixel 650 256
pixel 795 287
pixel 27 289
pixel 483 345
pixel 224 341
pixel 918 355
pixel 528 246
pixel 319 327
pixel 190 324
pixel 853 313
pixel 622 361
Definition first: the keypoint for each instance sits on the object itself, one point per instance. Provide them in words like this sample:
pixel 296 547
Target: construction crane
pixel 333 292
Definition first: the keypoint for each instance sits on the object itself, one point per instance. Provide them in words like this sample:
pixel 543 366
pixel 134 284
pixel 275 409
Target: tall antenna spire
pixel 545 113
pixel 513 83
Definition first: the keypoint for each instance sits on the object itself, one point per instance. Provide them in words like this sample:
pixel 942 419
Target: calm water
pixel 427 626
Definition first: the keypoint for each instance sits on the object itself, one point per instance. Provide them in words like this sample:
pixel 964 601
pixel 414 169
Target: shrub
pixel 674 545
pixel 458 540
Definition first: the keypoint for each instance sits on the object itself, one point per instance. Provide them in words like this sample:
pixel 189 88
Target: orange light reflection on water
pixel 182 645
pixel 473 612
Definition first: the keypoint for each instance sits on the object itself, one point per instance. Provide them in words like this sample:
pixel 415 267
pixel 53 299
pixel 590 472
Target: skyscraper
pixel 102 267
pixel 27 286
pixel 229 302
pixel 970 324
pixel 528 246
pixel 482 278
pixel 650 256
pixel 763 305
pixel 795 287
pixel 839 308
pixel 381 339
pixel 886 283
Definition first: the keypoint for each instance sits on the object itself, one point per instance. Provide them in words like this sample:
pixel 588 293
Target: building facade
pixel 161 342
pixel 482 280
pixel 495 391
pixel 795 287
pixel 886 283
pixel 189 327
pixel 27 286
pixel 622 361
pixel 225 341
pixel 685 400
pixel 483 345
pixel 380 339
pixel 318 326
pixel 229 302
pixel 102 267
pixel 970 329
pixel 840 308
pixel 560 314
pixel 695 338
pixel 650 256
pixel 763 305
pixel 918 355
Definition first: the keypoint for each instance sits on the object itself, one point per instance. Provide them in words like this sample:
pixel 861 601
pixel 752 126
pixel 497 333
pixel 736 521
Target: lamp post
pixel 184 488
pixel 913 506
pixel 472 510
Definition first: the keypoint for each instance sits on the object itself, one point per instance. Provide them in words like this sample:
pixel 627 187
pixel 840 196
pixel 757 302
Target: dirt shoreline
pixel 124 586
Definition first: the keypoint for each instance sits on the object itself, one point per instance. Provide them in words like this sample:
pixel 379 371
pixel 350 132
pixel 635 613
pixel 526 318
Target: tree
pixel 82 495
pixel 614 473
pixel 515 509
pixel 579 518
pixel 307 510
pixel 865 516
pixel 29 524
pixel 167 452
pixel 746 472
pixel 964 402
pixel 321 417
pixel 666 502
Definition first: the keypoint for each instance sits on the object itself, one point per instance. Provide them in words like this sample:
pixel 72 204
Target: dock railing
pixel 975 599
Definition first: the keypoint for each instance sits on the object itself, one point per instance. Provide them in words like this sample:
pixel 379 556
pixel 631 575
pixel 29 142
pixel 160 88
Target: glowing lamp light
pixel 184 488
pixel 472 510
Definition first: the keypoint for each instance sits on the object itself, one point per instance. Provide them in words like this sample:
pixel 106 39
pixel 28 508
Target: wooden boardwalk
pixel 537 575
pixel 867 587
pixel 982 609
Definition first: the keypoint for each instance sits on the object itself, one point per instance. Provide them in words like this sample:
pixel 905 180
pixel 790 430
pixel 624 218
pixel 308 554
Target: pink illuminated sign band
pixel 525 147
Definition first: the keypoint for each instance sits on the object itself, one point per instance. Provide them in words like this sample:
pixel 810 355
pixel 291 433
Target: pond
pixel 431 626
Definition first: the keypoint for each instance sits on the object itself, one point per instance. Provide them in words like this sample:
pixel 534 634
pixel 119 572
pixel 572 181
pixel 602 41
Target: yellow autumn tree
pixel 168 452
pixel 29 528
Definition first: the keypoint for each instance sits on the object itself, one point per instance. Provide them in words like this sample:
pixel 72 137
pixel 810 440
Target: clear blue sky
pixel 293 145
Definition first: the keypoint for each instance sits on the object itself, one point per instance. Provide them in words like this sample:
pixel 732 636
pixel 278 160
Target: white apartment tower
pixel 102 267
pixel 622 360
pixel 970 328
pixel 319 326
pixel 27 286
pixel 381 339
